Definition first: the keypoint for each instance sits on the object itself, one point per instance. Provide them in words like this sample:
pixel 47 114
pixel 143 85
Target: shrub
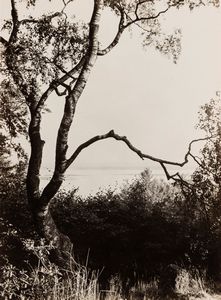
pixel 135 232
pixel 203 199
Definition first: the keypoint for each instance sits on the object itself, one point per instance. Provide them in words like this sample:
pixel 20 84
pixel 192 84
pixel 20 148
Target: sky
pixel 142 94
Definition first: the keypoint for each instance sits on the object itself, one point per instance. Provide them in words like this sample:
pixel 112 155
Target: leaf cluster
pixel 13 111
pixel 49 46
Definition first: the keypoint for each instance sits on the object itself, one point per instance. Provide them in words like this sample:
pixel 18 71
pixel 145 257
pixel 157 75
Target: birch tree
pixel 53 55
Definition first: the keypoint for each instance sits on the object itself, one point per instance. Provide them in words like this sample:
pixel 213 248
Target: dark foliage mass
pixel 133 232
pixel 137 232
pixel 204 196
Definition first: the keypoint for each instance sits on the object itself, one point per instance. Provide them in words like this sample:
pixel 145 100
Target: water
pixel 90 181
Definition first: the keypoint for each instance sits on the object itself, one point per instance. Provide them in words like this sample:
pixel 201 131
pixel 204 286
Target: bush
pixel 203 199
pixel 15 219
pixel 135 232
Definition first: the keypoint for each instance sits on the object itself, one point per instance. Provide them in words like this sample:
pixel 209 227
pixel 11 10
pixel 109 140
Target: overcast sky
pixel 142 94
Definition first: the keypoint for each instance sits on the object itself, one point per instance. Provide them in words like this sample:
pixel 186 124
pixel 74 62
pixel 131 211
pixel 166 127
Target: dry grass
pixel 47 281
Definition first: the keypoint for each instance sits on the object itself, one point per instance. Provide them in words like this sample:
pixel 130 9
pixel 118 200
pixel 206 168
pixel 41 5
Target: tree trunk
pixel 59 244
pixel 40 203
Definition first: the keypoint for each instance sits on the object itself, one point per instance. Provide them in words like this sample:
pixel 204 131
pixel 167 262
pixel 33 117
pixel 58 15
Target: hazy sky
pixel 142 94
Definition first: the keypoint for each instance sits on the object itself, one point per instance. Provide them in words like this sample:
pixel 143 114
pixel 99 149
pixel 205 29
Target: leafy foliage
pixel 46 280
pixel 203 199
pixel 207 176
pixel 46 47
pixel 146 15
pixel 13 124
pixel 136 233
pixel 13 111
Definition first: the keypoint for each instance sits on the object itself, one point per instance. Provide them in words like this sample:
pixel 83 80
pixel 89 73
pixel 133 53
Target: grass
pixel 46 281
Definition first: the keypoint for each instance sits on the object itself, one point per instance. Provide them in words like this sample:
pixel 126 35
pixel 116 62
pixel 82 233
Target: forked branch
pixel 123 24
pixel 55 84
pixel 139 19
pixel 162 162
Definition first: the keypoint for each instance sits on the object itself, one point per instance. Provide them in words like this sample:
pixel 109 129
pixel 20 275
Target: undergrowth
pixel 47 281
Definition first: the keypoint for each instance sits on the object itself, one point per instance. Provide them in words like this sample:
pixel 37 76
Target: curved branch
pixel 112 134
pixel 123 26
pixel 118 35
pixel 140 2
pixel 55 84
pixel 70 106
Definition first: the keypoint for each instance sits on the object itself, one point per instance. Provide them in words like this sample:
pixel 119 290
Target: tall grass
pixel 47 281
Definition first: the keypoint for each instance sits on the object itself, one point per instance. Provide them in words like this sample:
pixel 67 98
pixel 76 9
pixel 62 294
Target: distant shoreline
pixel 91 180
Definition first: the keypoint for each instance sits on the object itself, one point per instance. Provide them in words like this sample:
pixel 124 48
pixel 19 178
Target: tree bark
pixel 40 202
pixel 44 223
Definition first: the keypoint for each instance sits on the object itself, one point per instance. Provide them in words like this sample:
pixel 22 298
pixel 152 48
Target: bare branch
pixel 74 70
pixel 63 71
pixel 14 14
pixel 66 86
pixel 175 177
pixel 112 134
pixel 24 21
pixel 3 41
pixel 60 93
pixel 162 162
pixel 55 85
pixel 14 11
pixel 197 160
pixel 123 26
pixel 65 4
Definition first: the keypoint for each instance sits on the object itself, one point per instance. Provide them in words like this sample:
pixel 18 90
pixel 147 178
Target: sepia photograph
pixel 110 149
